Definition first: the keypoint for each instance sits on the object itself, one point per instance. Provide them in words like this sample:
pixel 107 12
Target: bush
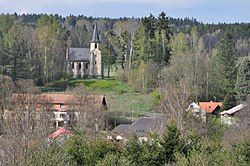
pixel 156 97
pixel 122 75
pixel 122 91
pixel 84 150
pixel 109 159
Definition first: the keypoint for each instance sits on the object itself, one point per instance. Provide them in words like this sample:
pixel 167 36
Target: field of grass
pixel 121 99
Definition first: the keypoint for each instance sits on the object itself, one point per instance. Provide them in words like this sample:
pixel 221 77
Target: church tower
pixel 96 68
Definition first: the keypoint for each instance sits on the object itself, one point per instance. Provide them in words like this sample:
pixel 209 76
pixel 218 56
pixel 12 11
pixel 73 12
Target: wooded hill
pixel 166 60
pixel 33 46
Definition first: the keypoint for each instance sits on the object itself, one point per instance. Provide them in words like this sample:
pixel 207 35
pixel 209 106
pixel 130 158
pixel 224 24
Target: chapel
pixel 86 62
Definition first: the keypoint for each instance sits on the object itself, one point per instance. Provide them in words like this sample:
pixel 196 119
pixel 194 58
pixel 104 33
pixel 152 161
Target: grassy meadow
pixel 122 101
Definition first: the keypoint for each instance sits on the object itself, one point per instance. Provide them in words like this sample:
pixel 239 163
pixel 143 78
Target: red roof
pixel 209 107
pixel 60 131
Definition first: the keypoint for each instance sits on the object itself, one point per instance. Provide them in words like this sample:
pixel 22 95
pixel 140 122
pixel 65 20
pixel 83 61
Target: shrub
pixel 156 97
pixel 122 91
pixel 84 150
pixel 122 75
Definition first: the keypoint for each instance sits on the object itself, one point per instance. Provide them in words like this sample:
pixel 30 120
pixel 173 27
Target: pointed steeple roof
pixel 95 37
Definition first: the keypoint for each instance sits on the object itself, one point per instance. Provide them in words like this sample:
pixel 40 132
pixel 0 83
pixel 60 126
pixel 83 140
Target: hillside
pixel 123 102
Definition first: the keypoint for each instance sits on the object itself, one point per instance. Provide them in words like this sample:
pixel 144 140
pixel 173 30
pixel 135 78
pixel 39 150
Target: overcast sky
pixel 208 11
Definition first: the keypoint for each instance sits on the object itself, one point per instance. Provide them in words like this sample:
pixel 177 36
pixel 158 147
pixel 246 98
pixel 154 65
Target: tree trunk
pixel 108 68
pixel 130 54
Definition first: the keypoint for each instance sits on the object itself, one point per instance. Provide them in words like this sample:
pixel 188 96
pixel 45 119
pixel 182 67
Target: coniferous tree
pixel 6 22
pixel 224 67
pixel 17 50
pixel 164 32
pixel 242 86
pixel 230 100
pixel 172 143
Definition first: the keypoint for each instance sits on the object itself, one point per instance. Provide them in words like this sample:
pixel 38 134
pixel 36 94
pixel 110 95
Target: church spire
pixel 95 37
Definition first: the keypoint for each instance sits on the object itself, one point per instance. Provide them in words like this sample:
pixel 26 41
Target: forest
pixel 137 50
pixel 173 60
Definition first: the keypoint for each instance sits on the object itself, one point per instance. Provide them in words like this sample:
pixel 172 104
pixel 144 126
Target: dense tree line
pixel 33 47
pixel 32 52
pixel 172 148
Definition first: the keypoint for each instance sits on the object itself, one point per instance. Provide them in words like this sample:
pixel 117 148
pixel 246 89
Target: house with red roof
pixel 61 135
pixel 61 131
pixel 211 107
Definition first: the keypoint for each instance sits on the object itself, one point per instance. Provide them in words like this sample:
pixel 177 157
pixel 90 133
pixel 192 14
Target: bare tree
pixel 241 131
pixel 26 126
pixel 176 87
pixel 91 116
pixel 6 89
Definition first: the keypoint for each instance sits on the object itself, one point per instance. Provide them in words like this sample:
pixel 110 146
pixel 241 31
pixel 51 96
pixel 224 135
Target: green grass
pixel 121 99
pixel 107 86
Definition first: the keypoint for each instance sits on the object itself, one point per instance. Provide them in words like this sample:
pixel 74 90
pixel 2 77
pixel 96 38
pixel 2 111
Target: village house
pixel 86 62
pixel 197 111
pixel 204 108
pixel 228 117
pixel 141 128
pixel 211 107
pixel 65 106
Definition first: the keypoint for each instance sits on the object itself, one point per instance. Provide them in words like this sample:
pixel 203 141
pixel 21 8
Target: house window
pixel 72 116
pixel 87 66
pixel 72 65
pixel 80 65
pixel 63 115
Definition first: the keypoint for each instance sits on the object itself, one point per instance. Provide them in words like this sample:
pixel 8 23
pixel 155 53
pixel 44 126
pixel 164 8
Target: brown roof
pixel 64 98
pixel 209 107
pixel 56 98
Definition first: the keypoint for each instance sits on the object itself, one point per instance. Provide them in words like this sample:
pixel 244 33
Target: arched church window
pixel 72 65
pixel 95 62
pixel 95 45
pixel 87 66
pixel 80 65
